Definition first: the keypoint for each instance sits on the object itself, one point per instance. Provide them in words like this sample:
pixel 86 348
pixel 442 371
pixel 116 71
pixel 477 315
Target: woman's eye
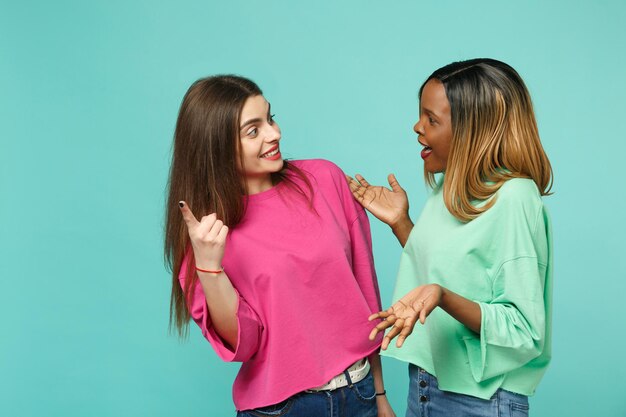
pixel 431 120
pixel 252 132
pixel 271 119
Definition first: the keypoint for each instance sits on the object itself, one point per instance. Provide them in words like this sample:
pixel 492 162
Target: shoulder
pixel 519 191
pixel 319 168
pixel 329 180
pixel 519 198
pixel 315 165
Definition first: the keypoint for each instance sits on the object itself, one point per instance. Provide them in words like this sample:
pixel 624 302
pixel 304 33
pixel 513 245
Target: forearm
pixel 464 310
pixel 402 229
pixel 377 371
pixel 222 302
pixel 382 402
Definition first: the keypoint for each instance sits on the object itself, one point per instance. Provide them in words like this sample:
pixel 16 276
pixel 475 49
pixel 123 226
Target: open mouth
pixel 271 153
pixel 426 152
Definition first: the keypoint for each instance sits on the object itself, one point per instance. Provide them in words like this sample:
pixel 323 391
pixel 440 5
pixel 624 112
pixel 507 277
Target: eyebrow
pixel 249 122
pixel 430 112
pixel 256 119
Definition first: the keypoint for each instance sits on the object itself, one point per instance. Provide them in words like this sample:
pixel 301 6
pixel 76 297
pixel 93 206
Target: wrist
pixel 402 223
pixel 444 297
pixel 209 269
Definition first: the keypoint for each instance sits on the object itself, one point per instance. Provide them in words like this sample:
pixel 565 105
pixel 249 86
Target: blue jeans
pixel 356 400
pixel 427 400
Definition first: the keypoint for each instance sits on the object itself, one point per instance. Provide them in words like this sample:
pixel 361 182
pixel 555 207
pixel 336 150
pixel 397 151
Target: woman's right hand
pixel 390 206
pixel 208 238
pixel 402 316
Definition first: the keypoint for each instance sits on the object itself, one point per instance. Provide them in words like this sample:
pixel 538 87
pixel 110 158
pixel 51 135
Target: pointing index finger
pixel 188 216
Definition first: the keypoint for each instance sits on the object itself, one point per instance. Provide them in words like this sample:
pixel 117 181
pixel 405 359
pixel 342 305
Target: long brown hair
pixel 494 135
pixel 205 173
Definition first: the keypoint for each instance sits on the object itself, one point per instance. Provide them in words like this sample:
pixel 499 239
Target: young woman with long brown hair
pixel 480 250
pixel 272 259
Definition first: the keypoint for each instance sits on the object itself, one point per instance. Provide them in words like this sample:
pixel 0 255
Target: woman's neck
pixel 259 184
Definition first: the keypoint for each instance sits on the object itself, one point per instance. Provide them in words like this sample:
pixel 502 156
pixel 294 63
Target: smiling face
pixel 259 136
pixel 434 126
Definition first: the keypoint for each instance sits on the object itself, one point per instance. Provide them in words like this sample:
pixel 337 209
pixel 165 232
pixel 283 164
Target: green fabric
pixel 501 260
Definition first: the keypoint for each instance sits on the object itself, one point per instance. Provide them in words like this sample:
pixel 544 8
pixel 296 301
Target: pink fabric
pixel 306 284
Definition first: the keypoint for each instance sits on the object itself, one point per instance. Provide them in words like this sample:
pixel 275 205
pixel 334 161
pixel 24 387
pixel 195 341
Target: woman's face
pixel 434 126
pixel 259 136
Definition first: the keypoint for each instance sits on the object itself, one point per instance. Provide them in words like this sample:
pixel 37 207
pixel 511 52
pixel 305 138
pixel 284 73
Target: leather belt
pixel 357 372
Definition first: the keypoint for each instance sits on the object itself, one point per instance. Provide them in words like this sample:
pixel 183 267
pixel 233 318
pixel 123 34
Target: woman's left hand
pixel 403 315
pixel 384 408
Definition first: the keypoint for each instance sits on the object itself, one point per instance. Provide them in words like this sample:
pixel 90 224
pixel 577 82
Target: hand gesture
pixel 403 315
pixel 208 238
pixel 389 206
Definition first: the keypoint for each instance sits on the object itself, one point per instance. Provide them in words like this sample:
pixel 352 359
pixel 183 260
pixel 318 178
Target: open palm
pixel 402 316
pixel 387 205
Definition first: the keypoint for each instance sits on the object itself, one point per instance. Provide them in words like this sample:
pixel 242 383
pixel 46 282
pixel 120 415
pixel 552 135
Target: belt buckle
pixel 340 380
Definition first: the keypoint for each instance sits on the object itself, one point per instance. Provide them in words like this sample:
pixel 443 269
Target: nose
pixel 417 127
pixel 273 133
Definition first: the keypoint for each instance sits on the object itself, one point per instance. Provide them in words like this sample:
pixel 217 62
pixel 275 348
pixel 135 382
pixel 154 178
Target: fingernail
pixel 181 204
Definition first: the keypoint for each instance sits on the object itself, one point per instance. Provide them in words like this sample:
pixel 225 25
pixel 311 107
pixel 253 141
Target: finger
pixel 386 323
pixel 380 315
pixel 215 230
pixel 221 237
pixel 380 327
pixel 353 184
pixel 396 329
pixel 385 344
pixel 204 227
pixel 206 223
pixel 423 315
pixel 409 324
pixel 188 216
pixel 423 310
pixel 373 334
pixel 393 182
pixel 362 180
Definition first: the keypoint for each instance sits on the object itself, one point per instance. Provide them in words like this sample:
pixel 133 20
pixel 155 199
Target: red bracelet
pixel 210 271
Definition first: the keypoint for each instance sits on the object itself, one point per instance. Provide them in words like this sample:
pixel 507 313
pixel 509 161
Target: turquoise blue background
pixel 89 93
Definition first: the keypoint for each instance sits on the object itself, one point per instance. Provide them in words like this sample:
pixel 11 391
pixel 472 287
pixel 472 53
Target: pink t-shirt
pixel 306 284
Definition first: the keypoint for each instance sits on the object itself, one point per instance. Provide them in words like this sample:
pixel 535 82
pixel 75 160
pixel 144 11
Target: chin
pixel 280 163
pixel 435 171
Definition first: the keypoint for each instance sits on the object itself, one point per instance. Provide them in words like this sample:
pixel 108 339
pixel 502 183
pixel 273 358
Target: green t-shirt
pixel 501 260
